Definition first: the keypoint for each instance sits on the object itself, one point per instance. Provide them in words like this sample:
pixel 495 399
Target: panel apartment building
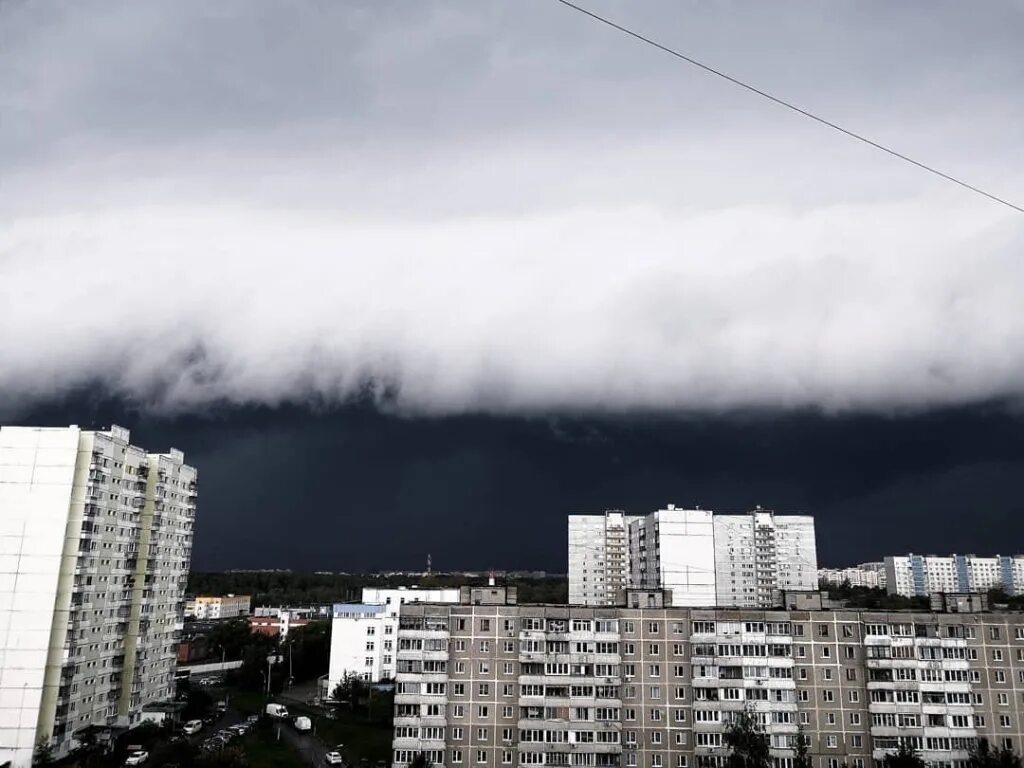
pixel 920 575
pixel 489 684
pixel 871 575
pixel 700 558
pixel 95 545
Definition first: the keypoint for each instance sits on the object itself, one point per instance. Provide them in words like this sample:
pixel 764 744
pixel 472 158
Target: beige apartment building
pixel 490 683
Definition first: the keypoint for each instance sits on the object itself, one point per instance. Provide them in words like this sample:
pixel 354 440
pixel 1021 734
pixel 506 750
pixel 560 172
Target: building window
pixel 831 741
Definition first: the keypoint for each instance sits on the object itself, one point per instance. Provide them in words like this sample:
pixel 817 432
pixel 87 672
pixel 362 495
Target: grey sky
pixel 503 206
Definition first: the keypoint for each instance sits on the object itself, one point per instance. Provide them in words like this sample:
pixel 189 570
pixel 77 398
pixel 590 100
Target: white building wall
pixel 37 471
pixel 674 549
pixel 599 557
pixel 871 575
pixel 363 634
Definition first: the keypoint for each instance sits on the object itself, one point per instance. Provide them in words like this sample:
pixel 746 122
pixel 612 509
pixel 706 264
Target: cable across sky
pixel 791 106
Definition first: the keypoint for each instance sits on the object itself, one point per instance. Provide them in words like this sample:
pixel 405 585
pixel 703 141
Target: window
pixel 456 755
pixel 831 741
pixel 485 625
pixel 481 755
pixel 823 630
pixel 855 718
pixel 856 740
pixel 456 734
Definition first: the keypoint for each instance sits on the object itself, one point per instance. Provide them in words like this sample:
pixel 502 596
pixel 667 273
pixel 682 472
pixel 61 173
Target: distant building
pixel 95 545
pixel 870 575
pixel 363 634
pixel 193 649
pixel 277 622
pixel 219 607
pixel 920 575
pixel 697 557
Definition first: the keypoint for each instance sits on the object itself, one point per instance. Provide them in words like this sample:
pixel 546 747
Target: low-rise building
pixel 492 683
pixel 218 607
pixel 278 622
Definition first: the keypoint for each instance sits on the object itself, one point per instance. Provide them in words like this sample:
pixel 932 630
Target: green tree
pixel 801 748
pixel 229 757
pixel 43 753
pixel 903 757
pixel 983 756
pixel 747 742
pixel 350 690
pixel 230 639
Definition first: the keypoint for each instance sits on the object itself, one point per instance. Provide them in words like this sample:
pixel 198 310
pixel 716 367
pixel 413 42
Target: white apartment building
pixel 701 559
pixel 871 575
pixel 95 544
pixel 599 557
pixel 674 550
pixel 920 575
pixel 363 634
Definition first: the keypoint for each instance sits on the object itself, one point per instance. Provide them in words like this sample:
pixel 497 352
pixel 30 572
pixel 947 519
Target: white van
pixel 303 724
pixel 277 710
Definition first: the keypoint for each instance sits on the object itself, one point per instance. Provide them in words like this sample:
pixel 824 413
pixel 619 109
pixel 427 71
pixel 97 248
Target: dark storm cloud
pixel 502 207
pixel 329 490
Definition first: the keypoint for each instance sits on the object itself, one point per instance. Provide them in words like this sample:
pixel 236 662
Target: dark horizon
pixel 355 489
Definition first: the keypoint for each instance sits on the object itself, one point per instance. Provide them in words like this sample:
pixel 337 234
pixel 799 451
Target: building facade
pixel 278 622
pixel 701 559
pixel 496 684
pixel 871 575
pixel 674 550
pixel 920 575
pixel 212 608
pixel 363 634
pixel 95 546
pixel 599 562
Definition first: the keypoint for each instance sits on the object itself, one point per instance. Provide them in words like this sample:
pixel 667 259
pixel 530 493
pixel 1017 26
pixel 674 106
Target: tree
pixel 420 761
pixel 903 757
pixel 229 757
pixel 801 747
pixel 43 753
pixel 983 756
pixel 747 742
pixel 350 690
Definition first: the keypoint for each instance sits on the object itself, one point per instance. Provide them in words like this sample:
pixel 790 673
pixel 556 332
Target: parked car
pixel 211 718
pixel 222 706
pixel 192 727
pixel 252 719
pixel 333 758
pixel 240 728
pixel 277 710
pixel 303 724
pixel 137 758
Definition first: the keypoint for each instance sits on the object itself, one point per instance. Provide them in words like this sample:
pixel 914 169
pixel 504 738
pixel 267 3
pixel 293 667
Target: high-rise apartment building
pixel 363 634
pixel 920 575
pixel 599 562
pixel 870 575
pixel 761 554
pixel 698 557
pixel 95 544
pixel 488 683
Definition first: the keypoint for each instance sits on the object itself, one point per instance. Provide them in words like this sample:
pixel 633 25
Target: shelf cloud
pixel 500 208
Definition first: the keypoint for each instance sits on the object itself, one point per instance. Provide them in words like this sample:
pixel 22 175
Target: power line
pixel 789 105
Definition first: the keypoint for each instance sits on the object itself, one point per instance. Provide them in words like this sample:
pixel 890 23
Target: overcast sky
pixel 504 207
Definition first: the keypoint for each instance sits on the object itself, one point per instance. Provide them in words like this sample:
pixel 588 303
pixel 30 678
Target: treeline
pixel 873 598
pixel 288 588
